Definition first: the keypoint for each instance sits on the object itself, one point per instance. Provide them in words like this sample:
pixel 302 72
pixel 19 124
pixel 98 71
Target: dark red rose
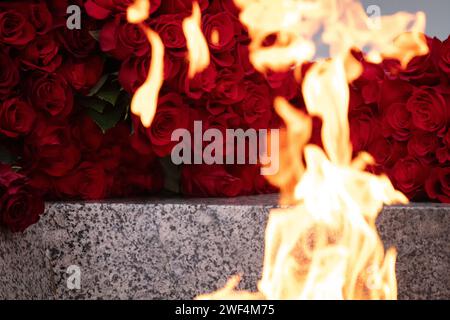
pixel 421 70
pixel 79 43
pixel 58 8
pixel 397 122
pixel 443 153
pixel 172 113
pixel 408 175
pixel 225 26
pixel 9 74
pixel 387 152
pixel 444 61
pixel 139 140
pixel 51 94
pixel 181 6
pixel 243 56
pixel 102 9
pixel 50 148
pixel 423 144
pixel 134 70
pixel 224 5
pixel 364 128
pixel 133 73
pixel 202 83
pixel 42 54
pixel 40 17
pixel 15 29
pixel 393 91
pixel 438 184
pixel 20 205
pixel 16 118
pixel 229 87
pixel 87 182
pixel 87 133
pixel 283 84
pixel 429 109
pixel 83 74
pixel 209 181
pixel 122 39
pixel 256 107
pixel 169 28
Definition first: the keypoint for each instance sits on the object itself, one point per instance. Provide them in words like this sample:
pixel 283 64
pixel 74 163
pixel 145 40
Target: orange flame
pixel 197 46
pixel 325 245
pixel 145 99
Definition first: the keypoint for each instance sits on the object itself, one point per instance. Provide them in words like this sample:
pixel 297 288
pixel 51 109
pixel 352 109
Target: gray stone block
pixel 179 248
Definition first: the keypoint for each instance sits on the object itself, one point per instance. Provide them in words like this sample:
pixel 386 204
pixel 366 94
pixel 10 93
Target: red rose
pixel 172 113
pixel 444 61
pixel 16 118
pixel 229 87
pixel 443 154
pixel 243 56
pixel 438 184
pixel 423 144
pixel 41 18
pixel 181 6
pixel 429 109
pixel 364 128
pixel 15 29
pixel 397 122
pixel 202 83
pixel 51 149
pixel 79 43
pixel 87 181
pixel 87 133
pixel 421 70
pixel 83 74
pixel 256 108
pixel 134 70
pixel 393 91
pixel 169 28
pixel 101 9
pixel 122 39
pixel 386 152
pixel 209 181
pixel 225 25
pixel 51 94
pixel 58 8
pixel 42 54
pixel 408 175
pixel 283 84
pixel 20 205
pixel 9 74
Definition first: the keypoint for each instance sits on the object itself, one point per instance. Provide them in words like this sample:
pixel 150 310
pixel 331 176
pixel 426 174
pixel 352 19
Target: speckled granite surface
pixel 178 248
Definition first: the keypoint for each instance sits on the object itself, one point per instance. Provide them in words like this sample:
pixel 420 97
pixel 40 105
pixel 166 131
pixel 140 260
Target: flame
pixel 325 245
pixel 139 11
pixel 197 46
pixel 145 100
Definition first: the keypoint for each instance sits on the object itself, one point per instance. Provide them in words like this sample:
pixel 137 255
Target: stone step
pixel 179 248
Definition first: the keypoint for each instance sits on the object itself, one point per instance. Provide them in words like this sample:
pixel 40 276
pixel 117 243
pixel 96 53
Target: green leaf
pixel 110 91
pixel 108 119
pixel 93 103
pixel 95 34
pixel 98 86
pixel 6 156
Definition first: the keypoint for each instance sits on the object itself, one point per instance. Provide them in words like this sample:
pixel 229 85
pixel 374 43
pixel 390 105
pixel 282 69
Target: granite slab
pixel 177 248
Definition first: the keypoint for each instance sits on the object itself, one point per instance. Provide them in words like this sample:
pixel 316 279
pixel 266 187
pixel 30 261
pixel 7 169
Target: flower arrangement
pixel 66 131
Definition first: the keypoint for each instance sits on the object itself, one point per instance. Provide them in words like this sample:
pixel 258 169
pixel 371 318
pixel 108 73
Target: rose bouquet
pixel 66 131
